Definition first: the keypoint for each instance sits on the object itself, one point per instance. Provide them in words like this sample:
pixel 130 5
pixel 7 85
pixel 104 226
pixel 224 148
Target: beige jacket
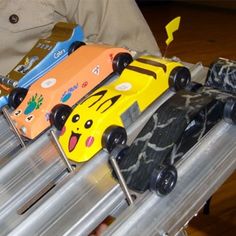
pixel 116 22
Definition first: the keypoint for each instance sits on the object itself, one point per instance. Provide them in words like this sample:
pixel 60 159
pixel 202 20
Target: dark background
pixel 205 32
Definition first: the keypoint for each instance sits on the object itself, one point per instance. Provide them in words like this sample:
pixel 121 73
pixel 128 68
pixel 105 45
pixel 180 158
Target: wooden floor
pixel 204 35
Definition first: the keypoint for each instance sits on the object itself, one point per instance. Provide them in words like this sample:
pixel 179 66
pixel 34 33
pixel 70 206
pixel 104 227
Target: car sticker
pixel 123 86
pixel 33 104
pixel 68 93
pixel 29 118
pixel 27 64
pixel 48 83
pixel 59 53
pixel 17 112
pixel 44 46
pixel 96 70
pixel 84 84
pixel 130 115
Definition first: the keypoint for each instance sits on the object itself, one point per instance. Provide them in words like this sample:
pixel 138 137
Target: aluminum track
pixel 77 202
pixel 9 144
pixel 38 167
pixel 91 194
pixel 201 172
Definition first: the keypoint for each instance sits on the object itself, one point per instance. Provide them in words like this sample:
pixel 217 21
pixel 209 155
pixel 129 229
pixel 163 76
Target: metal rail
pixel 88 185
pixel 201 172
pixel 24 178
pixel 78 205
pixel 36 167
pixel 38 200
pixel 11 124
pixel 8 142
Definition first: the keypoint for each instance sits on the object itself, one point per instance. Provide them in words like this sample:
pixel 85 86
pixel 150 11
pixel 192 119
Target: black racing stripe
pixel 153 63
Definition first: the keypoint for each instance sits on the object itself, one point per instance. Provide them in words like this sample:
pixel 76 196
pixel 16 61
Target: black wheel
pixel 163 179
pixel 230 111
pixel 119 152
pixel 179 78
pixel 75 45
pixel 120 61
pixel 113 136
pixel 59 115
pixel 193 86
pixel 16 97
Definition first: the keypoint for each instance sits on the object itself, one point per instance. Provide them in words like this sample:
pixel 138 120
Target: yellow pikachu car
pixel 100 120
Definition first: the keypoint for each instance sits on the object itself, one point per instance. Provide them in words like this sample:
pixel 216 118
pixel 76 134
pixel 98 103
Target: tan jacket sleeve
pixel 117 22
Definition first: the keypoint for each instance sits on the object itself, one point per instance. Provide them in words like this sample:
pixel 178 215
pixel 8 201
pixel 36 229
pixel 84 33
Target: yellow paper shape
pixel 171 27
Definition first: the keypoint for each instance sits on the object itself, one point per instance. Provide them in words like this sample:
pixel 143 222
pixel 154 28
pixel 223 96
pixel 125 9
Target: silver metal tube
pixel 9 120
pixel 121 179
pixel 62 153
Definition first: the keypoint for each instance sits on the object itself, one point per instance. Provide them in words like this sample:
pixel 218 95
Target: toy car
pixel 100 120
pixel 45 54
pixel 222 75
pixel 221 84
pixel 49 99
pixel 171 131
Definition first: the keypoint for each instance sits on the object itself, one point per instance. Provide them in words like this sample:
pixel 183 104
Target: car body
pixel 67 83
pixel 149 162
pixel 117 105
pixel 222 75
pixel 45 54
pixel 175 127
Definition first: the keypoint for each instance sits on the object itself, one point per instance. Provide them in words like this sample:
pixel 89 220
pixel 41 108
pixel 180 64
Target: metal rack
pixel 201 172
pixel 38 196
pixel 37 169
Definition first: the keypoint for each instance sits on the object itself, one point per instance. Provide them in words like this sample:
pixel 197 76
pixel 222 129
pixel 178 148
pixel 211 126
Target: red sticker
pixel 84 84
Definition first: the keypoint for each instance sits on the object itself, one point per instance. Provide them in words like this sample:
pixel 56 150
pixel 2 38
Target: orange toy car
pixel 49 100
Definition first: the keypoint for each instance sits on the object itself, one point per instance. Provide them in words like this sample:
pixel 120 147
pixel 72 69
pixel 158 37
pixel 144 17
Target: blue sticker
pixel 67 94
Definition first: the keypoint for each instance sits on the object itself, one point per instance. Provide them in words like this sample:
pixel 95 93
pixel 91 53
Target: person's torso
pixel 23 22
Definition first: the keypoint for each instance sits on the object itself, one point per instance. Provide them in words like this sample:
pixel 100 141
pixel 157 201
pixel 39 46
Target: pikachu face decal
pixel 116 104
pixel 80 132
